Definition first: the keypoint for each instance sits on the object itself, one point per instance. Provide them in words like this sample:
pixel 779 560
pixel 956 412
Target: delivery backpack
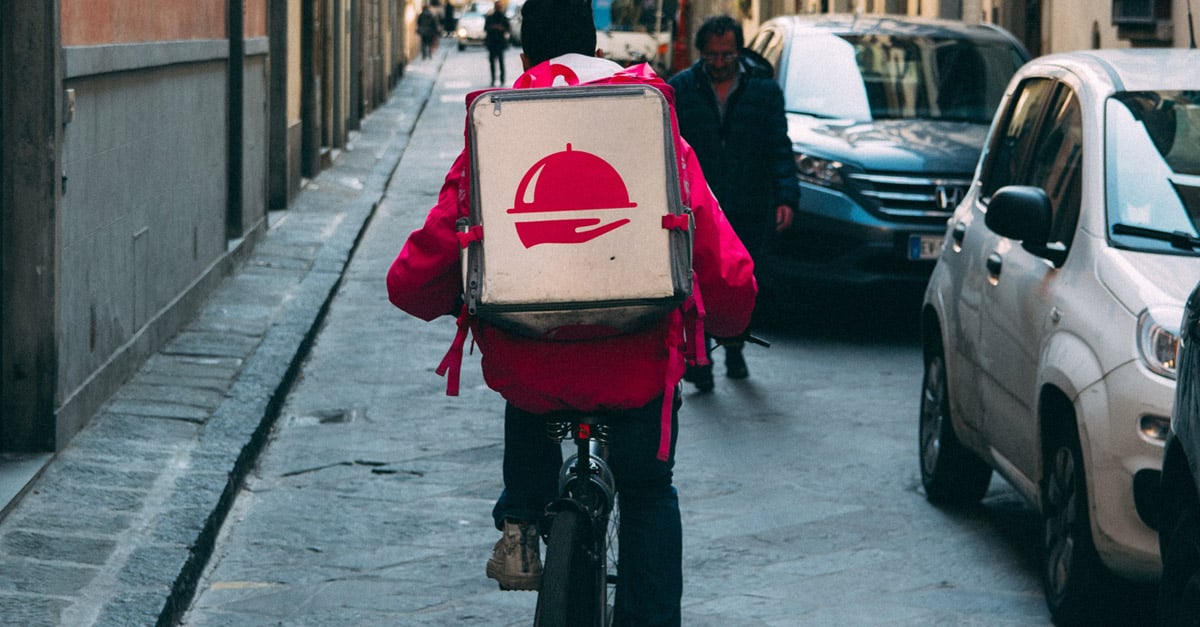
pixel 576 228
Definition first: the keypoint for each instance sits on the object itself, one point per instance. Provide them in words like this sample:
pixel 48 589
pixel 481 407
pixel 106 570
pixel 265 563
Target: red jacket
pixel 612 373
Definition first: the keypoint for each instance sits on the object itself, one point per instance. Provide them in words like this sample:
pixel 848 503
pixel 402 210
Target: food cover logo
pixel 570 180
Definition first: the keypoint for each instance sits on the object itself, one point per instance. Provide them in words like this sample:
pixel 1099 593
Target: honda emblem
pixel 947 197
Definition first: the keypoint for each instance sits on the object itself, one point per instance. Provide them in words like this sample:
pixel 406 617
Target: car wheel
pixel 1073 577
pixel 1179 588
pixel 950 473
pixel 461 47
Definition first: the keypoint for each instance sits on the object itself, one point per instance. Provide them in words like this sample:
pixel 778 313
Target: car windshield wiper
pixel 1177 239
pixel 822 116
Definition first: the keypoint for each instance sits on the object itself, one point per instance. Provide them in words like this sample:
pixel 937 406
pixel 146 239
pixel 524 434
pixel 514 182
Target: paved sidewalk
pixel 120 525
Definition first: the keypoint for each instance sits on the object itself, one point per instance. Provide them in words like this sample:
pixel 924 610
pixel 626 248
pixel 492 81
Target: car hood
pixel 891 145
pixel 1140 280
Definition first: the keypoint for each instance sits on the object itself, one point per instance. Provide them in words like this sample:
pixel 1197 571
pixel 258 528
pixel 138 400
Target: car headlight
pixel 818 171
pixel 1158 342
pixel 462 32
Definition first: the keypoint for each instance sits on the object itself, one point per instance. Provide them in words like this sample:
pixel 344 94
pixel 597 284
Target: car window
pixel 1040 144
pixel 771 48
pixel 1055 163
pixel 900 76
pixel 1152 158
pixel 1014 138
pixel 823 79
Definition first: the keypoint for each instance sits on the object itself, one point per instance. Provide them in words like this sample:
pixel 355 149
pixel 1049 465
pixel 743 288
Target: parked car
pixel 1179 515
pixel 469 31
pixel 1052 316
pixel 887 116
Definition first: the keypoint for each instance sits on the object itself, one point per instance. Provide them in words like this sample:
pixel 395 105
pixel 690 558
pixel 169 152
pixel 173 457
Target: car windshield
pixel 866 77
pixel 1152 154
pixel 479 9
pixel 639 16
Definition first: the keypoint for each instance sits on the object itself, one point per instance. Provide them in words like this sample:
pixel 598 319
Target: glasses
pixel 709 57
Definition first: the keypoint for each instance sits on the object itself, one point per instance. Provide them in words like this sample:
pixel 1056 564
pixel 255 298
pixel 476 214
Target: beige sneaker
pixel 516 561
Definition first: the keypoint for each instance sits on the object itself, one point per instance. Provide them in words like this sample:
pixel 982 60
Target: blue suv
pixel 887 117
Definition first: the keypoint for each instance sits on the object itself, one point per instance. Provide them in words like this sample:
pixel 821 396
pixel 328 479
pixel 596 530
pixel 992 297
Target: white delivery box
pixel 576 227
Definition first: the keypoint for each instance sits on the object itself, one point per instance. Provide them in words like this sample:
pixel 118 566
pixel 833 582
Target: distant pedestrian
pixel 730 110
pixel 427 29
pixel 496 30
pixel 448 19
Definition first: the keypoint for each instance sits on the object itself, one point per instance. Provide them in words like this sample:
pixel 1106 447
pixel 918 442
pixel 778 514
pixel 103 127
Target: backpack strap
pixel 674 372
pixel 693 327
pixel 451 366
pixel 692 311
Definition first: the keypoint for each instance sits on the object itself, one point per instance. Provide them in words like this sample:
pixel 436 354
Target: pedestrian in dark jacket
pixel 730 110
pixel 496 29
pixel 427 29
pixel 448 19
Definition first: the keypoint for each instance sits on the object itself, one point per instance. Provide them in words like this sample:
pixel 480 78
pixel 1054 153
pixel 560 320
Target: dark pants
pixel 650 575
pixel 496 62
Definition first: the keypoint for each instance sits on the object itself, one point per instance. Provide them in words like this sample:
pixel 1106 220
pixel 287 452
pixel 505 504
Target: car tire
pixel 951 474
pixel 1179 588
pixel 1074 580
pixel 461 47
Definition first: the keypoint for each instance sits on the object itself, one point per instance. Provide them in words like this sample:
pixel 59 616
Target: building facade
pixel 143 144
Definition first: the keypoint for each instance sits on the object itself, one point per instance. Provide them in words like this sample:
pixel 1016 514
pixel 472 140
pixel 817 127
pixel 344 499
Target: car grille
pixel 911 197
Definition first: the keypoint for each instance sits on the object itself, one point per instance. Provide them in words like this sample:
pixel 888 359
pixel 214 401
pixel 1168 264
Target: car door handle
pixel 994 261
pixel 959 233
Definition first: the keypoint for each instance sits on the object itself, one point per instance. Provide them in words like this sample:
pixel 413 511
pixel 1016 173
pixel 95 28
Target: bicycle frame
pixel 575 582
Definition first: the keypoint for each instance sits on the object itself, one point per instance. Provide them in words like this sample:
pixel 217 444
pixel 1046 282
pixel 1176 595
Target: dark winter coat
pixel 496 29
pixel 748 158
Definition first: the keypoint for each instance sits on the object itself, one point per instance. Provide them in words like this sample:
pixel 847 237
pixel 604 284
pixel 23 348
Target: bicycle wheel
pixel 611 549
pixel 571 581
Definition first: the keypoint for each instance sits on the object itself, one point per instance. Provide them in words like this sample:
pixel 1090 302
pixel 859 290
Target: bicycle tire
pixel 612 549
pixel 570 585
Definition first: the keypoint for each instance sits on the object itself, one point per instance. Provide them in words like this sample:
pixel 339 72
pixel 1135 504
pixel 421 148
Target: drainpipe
pixel 235 22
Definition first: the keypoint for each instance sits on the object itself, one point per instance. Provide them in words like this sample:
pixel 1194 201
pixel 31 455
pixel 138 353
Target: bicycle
pixel 577 585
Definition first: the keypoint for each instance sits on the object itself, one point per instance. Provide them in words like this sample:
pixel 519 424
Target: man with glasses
pixel 730 110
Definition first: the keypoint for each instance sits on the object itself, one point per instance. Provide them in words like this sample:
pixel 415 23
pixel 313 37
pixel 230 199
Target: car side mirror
pixel 1023 213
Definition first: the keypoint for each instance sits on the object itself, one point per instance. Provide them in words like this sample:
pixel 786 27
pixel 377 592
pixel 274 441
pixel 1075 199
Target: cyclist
pixel 636 375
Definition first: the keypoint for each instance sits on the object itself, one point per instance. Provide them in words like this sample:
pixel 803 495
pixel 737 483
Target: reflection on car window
pixel 1014 139
pixel 642 16
pixel 1152 154
pixel 1055 166
pixel 823 79
pixel 899 76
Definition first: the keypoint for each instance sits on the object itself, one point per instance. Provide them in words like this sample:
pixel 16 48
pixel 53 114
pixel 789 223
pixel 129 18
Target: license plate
pixel 924 247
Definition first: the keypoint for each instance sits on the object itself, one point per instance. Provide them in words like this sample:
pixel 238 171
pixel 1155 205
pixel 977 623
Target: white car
pixel 1052 316
pixel 469 31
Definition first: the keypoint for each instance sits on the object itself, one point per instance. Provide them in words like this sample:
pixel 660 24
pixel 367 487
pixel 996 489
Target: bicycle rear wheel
pixel 572 584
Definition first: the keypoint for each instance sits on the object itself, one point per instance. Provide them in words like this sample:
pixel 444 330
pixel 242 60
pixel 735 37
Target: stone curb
pixel 121 524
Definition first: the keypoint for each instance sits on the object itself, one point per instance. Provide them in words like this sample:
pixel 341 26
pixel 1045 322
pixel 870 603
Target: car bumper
pixel 835 243
pixel 1118 451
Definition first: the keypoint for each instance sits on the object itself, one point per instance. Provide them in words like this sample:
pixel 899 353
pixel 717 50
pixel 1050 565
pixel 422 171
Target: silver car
pixel 1051 319
pixel 470 31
